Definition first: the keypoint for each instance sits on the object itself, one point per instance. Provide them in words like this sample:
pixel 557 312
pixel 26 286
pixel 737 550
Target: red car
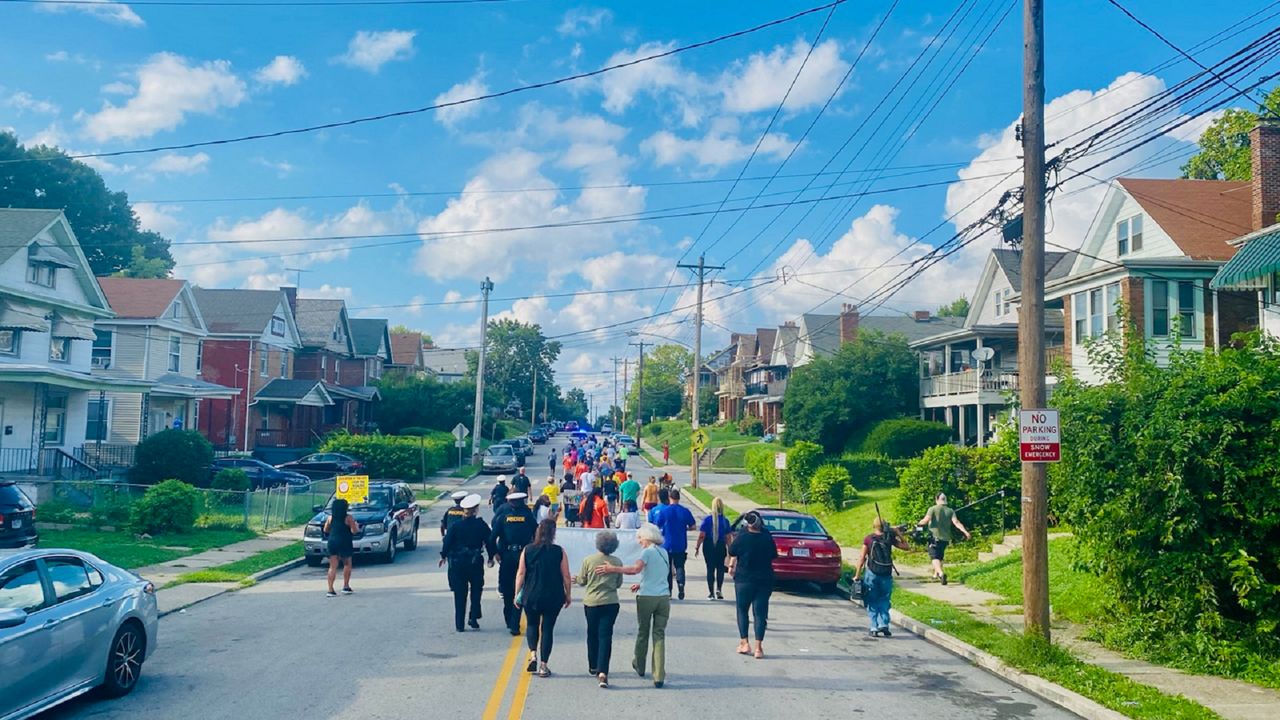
pixel 806 551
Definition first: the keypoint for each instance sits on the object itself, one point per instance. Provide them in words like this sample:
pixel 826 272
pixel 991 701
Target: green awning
pixel 1257 259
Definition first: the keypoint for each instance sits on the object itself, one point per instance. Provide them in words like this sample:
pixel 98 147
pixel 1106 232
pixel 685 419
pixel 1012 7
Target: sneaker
pixel 474 625
pixel 719 596
pixel 944 578
pixel 658 684
pixel 711 596
pixel 331 594
pixel 533 663
pixel 885 631
pixel 873 634
pixel 681 593
pixel 604 680
pixel 347 591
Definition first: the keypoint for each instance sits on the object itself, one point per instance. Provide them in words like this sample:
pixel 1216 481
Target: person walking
pixel 600 604
pixel 751 565
pixel 341 528
pixel 498 495
pixel 552 461
pixel 676 521
pixel 552 493
pixel 628 488
pixel 453 514
pixel 715 536
pixel 877 589
pixel 610 488
pixel 666 453
pixel 594 511
pixel 543 585
pixel 521 482
pixel 628 519
pixel 513 528
pixel 542 508
pixel 623 454
pixel 649 499
pixel 653 600
pixel 940 520
pixel 464 547
pixel 664 499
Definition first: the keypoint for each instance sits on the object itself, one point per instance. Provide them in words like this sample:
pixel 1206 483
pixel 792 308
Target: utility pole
pixel 486 287
pixel 626 367
pixel 640 390
pixel 613 411
pixel 533 406
pixel 701 269
pixel 1035 540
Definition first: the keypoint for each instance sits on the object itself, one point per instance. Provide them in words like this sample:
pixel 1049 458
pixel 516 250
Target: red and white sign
pixel 1039 436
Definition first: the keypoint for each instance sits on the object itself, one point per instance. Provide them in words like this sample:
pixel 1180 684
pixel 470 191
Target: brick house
pixel 1254 271
pixel 324 330
pixel 407 355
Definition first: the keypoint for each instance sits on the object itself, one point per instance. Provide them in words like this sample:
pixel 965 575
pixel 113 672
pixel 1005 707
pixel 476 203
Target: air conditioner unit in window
pixel 101 363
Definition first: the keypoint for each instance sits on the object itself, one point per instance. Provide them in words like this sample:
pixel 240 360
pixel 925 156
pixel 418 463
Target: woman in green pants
pixel 653 600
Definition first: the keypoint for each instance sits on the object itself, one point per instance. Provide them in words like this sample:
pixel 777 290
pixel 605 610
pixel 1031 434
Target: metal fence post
pixel 247 502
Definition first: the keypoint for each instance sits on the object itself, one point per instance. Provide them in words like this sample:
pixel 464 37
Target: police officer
pixel 465 545
pixel 453 514
pixel 513 528
pixel 498 495
pixel 521 482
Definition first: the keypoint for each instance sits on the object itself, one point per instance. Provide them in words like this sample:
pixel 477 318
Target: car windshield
pixel 794 524
pixel 11 496
pixel 500 450
pixel 379 499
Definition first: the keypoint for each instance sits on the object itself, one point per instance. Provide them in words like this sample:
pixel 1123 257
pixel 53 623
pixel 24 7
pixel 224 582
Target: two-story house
pixel 49 301
pixel 766 384
pixel 325 332
pixel 251 342
pixel 157 335
pixel 371 351
pixel 406 355
pixel 448 365
pixel 1252 277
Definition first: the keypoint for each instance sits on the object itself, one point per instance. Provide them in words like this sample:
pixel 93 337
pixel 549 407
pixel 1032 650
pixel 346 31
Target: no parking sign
pixel 353 488
pixel 1039 436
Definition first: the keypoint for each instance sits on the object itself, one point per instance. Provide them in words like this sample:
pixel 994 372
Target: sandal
pixel 532 666
pixel 543 670
pixel 744 649
pixel 759 654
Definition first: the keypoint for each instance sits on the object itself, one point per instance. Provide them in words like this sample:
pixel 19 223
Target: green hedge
pixel 394 457
pixel 170 506
pixel 759 464
pixel 867 470
pixel 173 454
pixel 830 487
pixel 752 426
pixel 905 437
pixel 965 475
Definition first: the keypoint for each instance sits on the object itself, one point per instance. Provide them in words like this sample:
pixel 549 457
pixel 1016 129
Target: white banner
pixel 580 543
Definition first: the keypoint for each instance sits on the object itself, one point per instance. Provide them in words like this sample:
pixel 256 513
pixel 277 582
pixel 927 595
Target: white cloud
pixel 720 146
pixel 102 9
pixel 118 88
pixel 283 70
pixel 178 164
pixel 761 81
pixel 326 291
pixel 370 50
pixel 583 21
pixel 159 218
pixel 59 56
pixel 450 116
pixel 51 136
pixel 25 102
pixel 663 77
pixel 170 87
pixel 283 168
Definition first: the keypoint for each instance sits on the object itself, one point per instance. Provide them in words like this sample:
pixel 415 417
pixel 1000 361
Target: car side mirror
pixel 317 508
pixel 12 618
pixel 402 506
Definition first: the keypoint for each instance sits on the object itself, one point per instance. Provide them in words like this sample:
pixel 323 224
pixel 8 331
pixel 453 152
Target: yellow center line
pixel 509 663
pixel 518 697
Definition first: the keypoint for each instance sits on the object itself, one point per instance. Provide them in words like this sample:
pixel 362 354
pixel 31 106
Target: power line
pixel 262 3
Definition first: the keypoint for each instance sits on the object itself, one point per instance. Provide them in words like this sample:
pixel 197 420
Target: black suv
pixel 17 517
pixel 388 518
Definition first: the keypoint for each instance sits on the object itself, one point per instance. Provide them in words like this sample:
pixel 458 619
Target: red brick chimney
pixel 848 323
pixel 1264 141
pixel 921 315
pixel 292 294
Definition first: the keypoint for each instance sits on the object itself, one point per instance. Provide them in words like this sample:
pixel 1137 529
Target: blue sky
pixel 665 134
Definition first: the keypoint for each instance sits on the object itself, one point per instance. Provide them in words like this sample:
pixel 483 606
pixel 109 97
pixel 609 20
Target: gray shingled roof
pixel 444 361
pixel 18 226
pixel 1056 264
pixel 284 389
pixel 237 312
pixel 785 345
pixel 824 330
pixel 367 336
pixel 316 318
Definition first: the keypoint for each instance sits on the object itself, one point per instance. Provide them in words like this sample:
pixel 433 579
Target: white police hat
pixel 517 496
pixel 502 478
pixel 470 501
pixel 459 494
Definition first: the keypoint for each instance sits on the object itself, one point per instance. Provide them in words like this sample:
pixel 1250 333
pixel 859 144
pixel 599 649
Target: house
pixel 406 355
pixel 709 375
pixel 731 380
pixel 252 339
pixel 757 376
pixel 371 351
pixel 766 383
pixel 49 301
pixel 445 364
pixel 1252 276
pixel 958 387
pixel 157 335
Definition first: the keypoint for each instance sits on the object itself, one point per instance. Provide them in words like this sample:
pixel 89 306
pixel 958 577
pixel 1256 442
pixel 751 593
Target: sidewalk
pixel 181 596
pixel 1232 699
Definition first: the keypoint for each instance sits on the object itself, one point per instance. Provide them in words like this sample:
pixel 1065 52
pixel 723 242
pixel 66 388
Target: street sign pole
pixel 780 464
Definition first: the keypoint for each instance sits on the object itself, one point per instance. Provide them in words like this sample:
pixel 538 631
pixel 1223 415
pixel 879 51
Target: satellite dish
pixel 983 354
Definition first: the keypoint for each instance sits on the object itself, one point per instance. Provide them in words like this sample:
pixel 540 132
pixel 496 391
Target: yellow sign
pixel 353 488
pixel 699 440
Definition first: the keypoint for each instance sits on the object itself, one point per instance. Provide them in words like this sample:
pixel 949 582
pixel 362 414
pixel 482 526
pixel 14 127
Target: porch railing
pixel 968 381
pixel 106 455
pixel 17 461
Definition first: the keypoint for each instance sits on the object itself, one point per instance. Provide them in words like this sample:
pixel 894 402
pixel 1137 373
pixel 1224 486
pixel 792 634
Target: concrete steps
pixel 1011 544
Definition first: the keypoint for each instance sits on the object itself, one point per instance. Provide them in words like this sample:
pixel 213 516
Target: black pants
pixel 600 620
pixel 507 587
pixel 542 629
pixel 461 579
pixel 677 564
pixel 714 558
pixel 752 598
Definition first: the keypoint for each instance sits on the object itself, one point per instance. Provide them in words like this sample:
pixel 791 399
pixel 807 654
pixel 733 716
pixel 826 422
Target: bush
pixel 170 506
pixel 759 464
pixel 394 457
pixel 965 475
pixel 415 431
pixel 233 481
pixel 653 429
pixel 868 471
pixel 173 454
pixel 829 486
pixel 752 426
pixel 905 437
pixel 803 460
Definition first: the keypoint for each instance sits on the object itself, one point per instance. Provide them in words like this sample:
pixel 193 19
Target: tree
pixel 411 402
pixel 665 368
pixel 516 352
pixel 832 398
pixel 103 221
pixel 1224 144
pixel 575 405
pixel 957 308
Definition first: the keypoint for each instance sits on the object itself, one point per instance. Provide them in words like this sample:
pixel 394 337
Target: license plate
pixel 799 552
pixel 17 523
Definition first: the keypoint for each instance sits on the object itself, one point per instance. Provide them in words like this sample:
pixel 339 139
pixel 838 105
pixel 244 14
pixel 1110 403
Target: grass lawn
pixel 679 433
pixel 1052 663
pixel 121 548
pixel 705 498
pixel 240 570
pixel 1074 594
pixel 427 494
pixel 848 526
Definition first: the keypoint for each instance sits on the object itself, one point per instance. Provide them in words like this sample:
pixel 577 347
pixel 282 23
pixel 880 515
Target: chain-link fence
pixel 109 504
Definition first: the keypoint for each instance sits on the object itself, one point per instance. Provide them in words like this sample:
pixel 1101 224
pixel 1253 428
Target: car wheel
pixel 411 542
pixel 390 555
pixel 315 560
pixel 124 661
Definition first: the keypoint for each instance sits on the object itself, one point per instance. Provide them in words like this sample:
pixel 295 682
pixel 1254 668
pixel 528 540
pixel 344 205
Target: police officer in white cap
pixel 465 546
pixel 513 528
pixel 453 514
pixel 498 495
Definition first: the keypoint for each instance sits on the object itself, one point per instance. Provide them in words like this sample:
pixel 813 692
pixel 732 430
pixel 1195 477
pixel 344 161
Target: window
pixel 175 311
pixel 1080 315
pixel 1129 235
pixel 999 306
pixel 69 578
pixel 262 361
pixel 60 350
pixel 42 274
pixel 98 422
pixel 1159 308
pixel 102 343
pixel 277 326
pixel 1008 305
pixel 9 342
pixel 284 363
pixel 324 365
pixel 1095 312
pixel 1113 306
pixel 199 355
pixel 175 352
pixel 1275 288
pixel 195 415
pixel 20 588
pixel 1187 309
pixel 55 421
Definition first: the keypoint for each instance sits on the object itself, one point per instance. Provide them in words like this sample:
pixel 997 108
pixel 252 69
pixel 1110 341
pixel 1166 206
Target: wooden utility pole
pixel 613 411
pixel 486 287
pixel 701 269
pixel 1035 496
pixel 626 368
pixel 533 406
pixel 640 390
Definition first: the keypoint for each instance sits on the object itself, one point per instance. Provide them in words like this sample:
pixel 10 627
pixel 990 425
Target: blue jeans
pixel 876 593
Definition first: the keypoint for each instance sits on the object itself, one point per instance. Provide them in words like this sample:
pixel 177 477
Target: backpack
pixel 880 558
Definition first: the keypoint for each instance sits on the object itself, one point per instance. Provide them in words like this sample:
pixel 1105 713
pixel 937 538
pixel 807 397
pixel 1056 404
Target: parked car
pixel 550 429
pixel 499 458
pixel 524 444
pixel 70 623
pixel 17 517
pixel 538 436
pixel 606 429
pixel 324 465
pixel 806 551
pixel 628 442
pixel 390 516
pixel 571 426
pixel 261 475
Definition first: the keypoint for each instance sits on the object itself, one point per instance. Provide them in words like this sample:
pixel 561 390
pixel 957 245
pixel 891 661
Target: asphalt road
pixel 281 649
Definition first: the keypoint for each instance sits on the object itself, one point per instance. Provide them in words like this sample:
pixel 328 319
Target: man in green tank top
pixel 940 519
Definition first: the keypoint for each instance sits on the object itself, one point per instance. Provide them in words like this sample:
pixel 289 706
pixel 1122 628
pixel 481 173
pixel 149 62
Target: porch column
pixel 963 436
pixel 144 422
pixel 102 421
pixel 982 422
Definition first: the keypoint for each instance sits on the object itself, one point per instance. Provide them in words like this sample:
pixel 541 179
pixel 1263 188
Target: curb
pixel 258 576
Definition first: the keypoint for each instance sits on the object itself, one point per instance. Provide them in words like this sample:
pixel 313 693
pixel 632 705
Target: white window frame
pixel 277 327
pixel 42 274
pixel 284 363
pixel 91 417
pixel 94 349
pixel 60 413
pixel 15 348
pixel 175 310
pixel 1008 303
pixel 175 358
pixel 1128 241
pixel 199 355
pixel 1090 320
pixel 66 349
pixel 263 359
pixel 999 305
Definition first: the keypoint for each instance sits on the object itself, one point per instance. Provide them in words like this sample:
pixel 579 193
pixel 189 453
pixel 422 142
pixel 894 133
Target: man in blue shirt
pixel 676 521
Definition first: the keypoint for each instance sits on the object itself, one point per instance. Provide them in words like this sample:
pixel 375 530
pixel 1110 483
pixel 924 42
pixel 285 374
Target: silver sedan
pixel 69 623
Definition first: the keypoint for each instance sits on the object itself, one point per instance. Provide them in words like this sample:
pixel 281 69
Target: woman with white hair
pixel 653 600
pixel 601 604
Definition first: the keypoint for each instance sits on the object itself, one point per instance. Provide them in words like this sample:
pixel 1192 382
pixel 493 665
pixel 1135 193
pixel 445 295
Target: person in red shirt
pixel 594 510
pixel 666 453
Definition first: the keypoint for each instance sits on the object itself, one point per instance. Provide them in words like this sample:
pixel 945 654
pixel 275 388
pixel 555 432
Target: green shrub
pixel 170 506
pixel 867 471
pixel 394 457
pixel 759 464
pixel 752 426
pixel 966 475
pixel 829 486
pixel 415 431
pixel 173 454
pixel 803 459
pixel 234 482
pixel 654 429
pixel 905 437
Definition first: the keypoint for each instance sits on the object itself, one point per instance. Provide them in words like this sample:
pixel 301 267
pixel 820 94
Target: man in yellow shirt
pixel 552 491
